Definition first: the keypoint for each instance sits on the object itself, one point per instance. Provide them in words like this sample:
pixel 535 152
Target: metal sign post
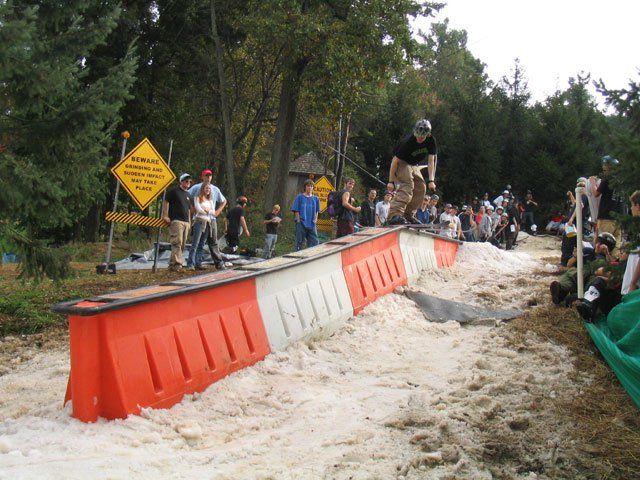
pixel 125 136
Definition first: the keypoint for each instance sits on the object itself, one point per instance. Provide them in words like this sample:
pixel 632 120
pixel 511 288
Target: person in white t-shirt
pixel 382 209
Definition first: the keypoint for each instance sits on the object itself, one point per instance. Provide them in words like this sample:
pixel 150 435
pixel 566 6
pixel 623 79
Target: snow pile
pixel 390 395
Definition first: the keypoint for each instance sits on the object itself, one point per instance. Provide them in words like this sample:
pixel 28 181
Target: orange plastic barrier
pixel 373 269
pixel 152 354
pixel 446 251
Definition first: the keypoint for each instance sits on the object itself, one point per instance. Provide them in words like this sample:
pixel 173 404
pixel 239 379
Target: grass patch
pixel 606 419
pixel 25 306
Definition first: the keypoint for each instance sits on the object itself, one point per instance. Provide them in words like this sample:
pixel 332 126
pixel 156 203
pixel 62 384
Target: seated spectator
pixel 567 283
pixel 596 297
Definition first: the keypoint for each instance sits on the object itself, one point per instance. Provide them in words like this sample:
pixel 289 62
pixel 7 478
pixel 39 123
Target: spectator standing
pixel 382 208
pixel 486 225
pixel 485 200
pixel 405 176
pixel 347 215
pixel 204 208
pixel 528 217
pixel 368 209
pixel 306 207
pixel 513 224
pixel 235 224
pixel 272 222
pixel 422 213
pixel 608 199
pixel 194 190
pixel 211 239
pixel 433 209
pixel 498 201
pixel 176 212
pixel 467 224
pixel 456 220
pixel 478 219
pixel 447 221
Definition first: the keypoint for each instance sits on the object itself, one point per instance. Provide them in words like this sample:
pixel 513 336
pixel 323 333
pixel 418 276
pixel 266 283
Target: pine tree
pixel 59 111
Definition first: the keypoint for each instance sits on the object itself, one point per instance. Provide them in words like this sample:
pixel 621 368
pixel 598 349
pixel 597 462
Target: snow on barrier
pixel 150 346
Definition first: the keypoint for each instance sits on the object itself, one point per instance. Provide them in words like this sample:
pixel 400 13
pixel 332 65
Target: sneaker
pixel 586 309
pixel 228 264
pixel 200 267
pixel 191 267
pixel 221 266
pixel 397 220
pixel 412 220
pixel 557 292
pixel 570 299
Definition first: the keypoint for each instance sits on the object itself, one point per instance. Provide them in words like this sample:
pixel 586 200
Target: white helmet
pixel 422 128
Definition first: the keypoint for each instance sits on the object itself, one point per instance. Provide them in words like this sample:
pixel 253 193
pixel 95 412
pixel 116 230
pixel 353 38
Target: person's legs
pixel 212 242
pixel 312 237
pixel 178 232
pixel 300 236
pixel 196 233
pixel 404 191
pixel 269 244
pixel 233 241
pixel 419 190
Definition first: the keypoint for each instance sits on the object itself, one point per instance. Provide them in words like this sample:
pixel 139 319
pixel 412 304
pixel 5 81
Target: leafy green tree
pixel 625 133
pixel 570 138
pixel 60 107
pixel 332 47
pixel 464 116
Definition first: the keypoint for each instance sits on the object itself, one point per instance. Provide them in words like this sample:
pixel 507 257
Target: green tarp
pixel 617 336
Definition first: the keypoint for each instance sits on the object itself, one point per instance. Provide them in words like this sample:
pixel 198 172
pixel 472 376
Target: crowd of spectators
pixel 497 221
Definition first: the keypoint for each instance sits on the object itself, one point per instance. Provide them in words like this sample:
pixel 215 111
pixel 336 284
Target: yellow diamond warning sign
pixel 143 173
pixel 323 187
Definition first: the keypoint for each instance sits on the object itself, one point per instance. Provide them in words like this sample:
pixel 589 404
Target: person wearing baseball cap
pixel 433 208
pixel 207 175
pixel 211 240
pixel 176 212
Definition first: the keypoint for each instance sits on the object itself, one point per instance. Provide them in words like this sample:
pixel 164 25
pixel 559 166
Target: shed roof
pixel 309 163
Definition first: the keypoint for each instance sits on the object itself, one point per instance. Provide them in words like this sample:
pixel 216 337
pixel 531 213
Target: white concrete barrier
pixel 418 252
pixel 306 300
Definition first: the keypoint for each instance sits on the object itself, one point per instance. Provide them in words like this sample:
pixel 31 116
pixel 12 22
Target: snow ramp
pixel 148 347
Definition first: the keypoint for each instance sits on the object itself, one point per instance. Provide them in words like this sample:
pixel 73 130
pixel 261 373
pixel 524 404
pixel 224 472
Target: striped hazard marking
pixel 135 219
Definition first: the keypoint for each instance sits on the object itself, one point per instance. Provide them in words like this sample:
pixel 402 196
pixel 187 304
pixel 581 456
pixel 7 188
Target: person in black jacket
pixel 368 209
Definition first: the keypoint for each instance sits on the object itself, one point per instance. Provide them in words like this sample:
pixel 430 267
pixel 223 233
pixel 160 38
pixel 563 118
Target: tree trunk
pixel 275 191
pixel 92 224
pixel 224 106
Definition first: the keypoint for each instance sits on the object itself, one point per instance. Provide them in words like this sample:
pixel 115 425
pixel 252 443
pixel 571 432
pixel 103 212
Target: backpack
pixel 334 203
